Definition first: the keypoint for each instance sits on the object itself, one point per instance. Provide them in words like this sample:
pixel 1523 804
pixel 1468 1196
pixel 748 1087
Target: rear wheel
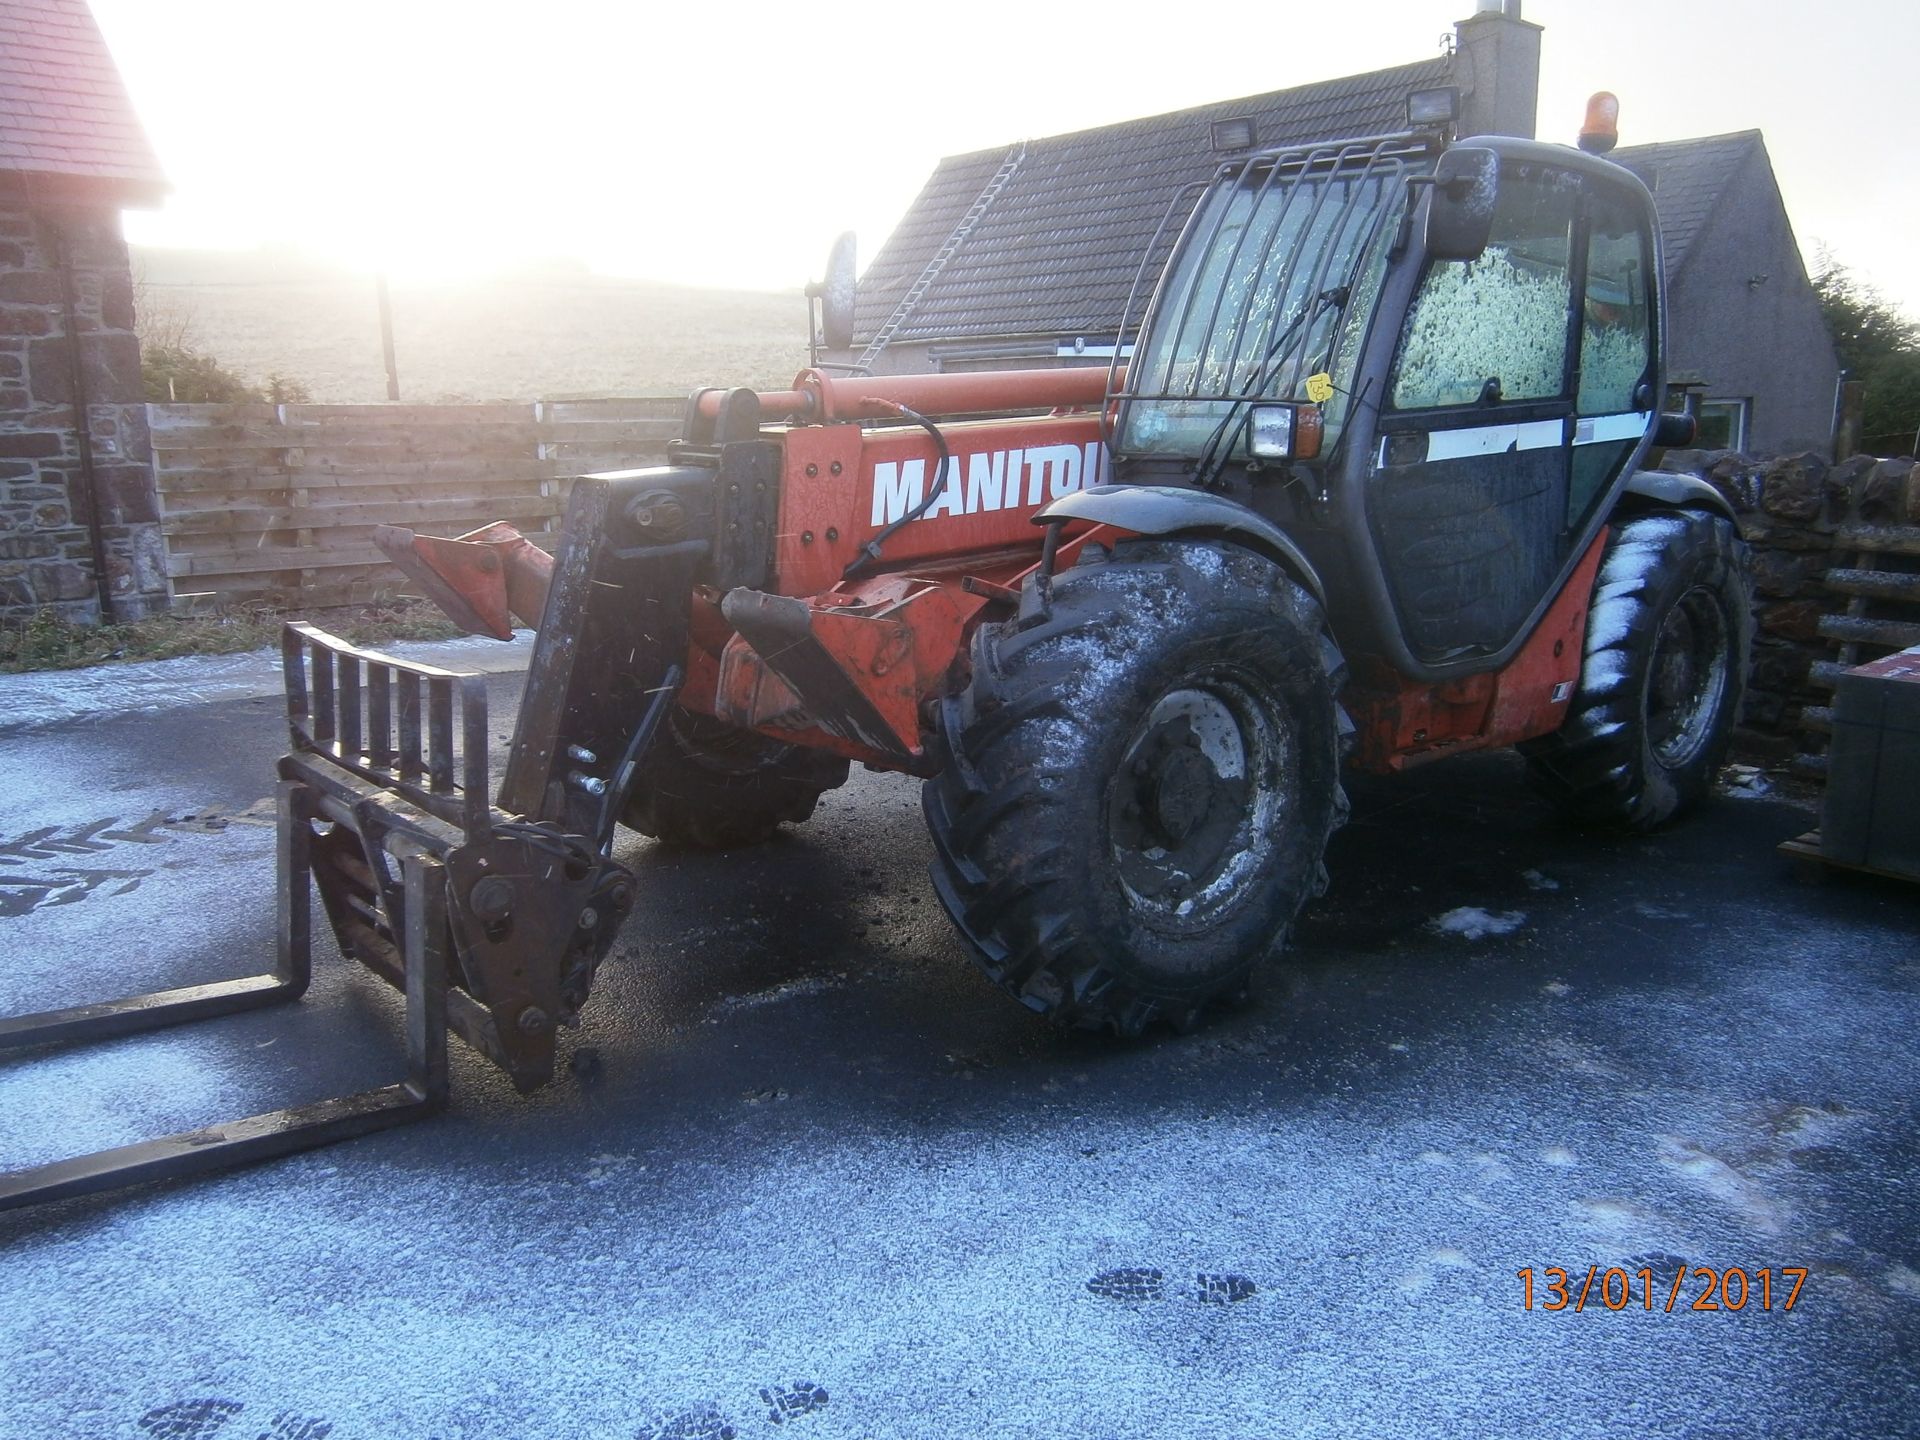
pixel 1665 669
pixel 711 786
pixel 1139 789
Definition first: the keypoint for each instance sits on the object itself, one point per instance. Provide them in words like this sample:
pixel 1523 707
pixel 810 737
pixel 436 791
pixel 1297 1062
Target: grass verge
pixel 47 641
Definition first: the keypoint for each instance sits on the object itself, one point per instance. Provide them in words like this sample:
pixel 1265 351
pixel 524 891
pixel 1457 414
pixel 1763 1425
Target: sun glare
pixel 666 142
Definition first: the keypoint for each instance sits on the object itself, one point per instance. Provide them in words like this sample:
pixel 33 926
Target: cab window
pixel 1499 320
pixel 1616 321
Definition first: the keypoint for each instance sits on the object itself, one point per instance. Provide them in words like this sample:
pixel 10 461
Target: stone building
pixel 79 513
pixel 1026 255
pixel 1744 328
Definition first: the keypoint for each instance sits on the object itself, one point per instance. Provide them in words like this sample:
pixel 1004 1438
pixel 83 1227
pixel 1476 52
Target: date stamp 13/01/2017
pixel 1668 1288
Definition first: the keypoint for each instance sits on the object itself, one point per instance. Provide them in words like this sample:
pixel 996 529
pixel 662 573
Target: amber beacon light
pixel 1601 132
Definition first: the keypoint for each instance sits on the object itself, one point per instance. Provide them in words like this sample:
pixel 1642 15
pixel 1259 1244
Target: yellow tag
pixel 1320 388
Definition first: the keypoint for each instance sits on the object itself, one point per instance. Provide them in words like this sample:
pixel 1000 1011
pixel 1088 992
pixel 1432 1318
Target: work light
pixel 1437 109
pixel 1270 432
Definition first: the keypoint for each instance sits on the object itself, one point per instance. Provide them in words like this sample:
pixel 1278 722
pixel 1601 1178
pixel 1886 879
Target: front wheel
pixel 1139 789
pixel 707 785
pixel 1661 682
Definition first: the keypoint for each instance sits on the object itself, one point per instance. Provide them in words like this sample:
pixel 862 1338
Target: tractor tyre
pixel 1138 786
pixel 1669 634
pixel 707 785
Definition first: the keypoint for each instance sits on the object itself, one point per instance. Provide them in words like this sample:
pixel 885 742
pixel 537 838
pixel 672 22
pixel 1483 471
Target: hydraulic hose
pixel 870 552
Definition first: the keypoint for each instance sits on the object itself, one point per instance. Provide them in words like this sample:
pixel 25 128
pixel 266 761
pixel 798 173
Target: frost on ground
pixel 774 995
pixel 46 697
pixel 1722 1182
pixel 1470 922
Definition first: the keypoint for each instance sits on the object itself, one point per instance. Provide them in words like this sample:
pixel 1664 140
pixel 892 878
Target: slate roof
pixel 64 111
pixel 1058 249
pixel 1687 178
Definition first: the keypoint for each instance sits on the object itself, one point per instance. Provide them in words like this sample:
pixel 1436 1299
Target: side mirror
pixel 1671 431
pixel 836 295
pixel 1466 183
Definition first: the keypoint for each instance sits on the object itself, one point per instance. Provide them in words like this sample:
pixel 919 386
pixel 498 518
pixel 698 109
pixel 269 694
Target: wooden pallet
pixel 1881 614
pixel 1812 864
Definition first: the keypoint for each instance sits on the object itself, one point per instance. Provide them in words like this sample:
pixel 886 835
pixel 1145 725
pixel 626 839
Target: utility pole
pixel 386 335
pixel 1853 407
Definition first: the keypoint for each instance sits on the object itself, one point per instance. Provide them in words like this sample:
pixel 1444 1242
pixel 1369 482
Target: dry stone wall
pixel 46 548
pixel 1836 564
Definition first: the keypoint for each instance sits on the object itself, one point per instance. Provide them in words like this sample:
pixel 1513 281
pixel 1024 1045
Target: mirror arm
pixel 813 324
pixel 1403 232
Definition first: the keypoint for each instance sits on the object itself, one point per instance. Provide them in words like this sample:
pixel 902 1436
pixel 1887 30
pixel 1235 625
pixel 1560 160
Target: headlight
pixel 1270 432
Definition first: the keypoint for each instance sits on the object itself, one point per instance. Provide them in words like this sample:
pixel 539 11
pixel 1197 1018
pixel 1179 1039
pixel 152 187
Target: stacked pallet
pixel 1836 552
pixel 1876 611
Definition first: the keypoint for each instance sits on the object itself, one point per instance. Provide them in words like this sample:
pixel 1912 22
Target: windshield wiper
pixel 1212 459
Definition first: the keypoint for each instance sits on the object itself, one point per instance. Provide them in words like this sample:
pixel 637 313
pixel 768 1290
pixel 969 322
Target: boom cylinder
pixel 816 396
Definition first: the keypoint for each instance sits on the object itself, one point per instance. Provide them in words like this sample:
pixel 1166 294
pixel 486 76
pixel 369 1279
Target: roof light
pixel 1602 129
pixel 1437 109
pixel 1233 134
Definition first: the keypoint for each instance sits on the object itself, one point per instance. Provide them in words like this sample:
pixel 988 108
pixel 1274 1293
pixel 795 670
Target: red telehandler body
pixel 1365 494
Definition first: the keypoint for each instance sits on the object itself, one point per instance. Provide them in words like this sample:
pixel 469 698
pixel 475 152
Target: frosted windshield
pixel 1258 301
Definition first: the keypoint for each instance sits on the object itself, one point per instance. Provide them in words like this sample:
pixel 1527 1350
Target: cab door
pixel 1479 487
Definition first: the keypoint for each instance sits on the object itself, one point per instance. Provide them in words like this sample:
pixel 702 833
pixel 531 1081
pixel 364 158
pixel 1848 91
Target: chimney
pixel 1497 66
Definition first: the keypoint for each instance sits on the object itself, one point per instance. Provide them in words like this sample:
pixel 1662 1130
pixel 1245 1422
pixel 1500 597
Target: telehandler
pixel 1366 493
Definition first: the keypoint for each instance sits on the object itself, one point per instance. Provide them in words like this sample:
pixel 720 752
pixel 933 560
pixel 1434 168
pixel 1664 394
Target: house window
pixel 1080 347
pixel 1723 424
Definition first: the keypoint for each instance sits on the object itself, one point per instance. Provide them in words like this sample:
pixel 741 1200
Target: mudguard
pixel 1169 510
pixel 1677 491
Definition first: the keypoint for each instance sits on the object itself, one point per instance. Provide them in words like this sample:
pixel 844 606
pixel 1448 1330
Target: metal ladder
pixel 939 261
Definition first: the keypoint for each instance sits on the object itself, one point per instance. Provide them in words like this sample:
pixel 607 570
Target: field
pixel 545 332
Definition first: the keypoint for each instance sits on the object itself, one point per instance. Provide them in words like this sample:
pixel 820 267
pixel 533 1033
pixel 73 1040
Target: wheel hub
pixel 1193 800
pixel 1181 790
pixel 1687 679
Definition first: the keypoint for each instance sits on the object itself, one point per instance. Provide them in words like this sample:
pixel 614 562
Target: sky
pixel 728 145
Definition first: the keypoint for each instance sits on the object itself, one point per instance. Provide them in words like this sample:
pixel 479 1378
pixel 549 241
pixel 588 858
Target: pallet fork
pixel 492 924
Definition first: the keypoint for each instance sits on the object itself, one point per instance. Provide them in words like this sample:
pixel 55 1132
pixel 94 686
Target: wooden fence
pixel 279 502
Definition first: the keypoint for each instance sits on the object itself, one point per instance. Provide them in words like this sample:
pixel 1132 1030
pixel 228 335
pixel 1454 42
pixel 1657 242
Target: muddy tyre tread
pixel 1599 769
pixel 709 786
pixel 1001 810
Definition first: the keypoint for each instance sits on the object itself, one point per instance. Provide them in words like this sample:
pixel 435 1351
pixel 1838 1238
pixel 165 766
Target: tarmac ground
pixel 816 1172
